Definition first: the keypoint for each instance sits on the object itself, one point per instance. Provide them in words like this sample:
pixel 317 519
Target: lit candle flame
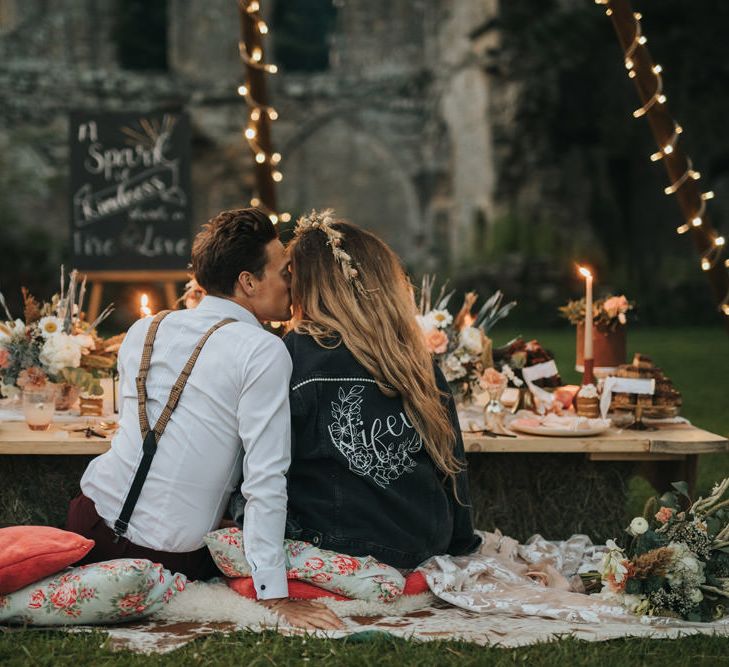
pixel 584 272
pixel 144 309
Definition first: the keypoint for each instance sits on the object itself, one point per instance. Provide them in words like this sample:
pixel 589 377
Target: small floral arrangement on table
pixel 53 343
pixel 676 562
pixel 608 313
pixel 459 344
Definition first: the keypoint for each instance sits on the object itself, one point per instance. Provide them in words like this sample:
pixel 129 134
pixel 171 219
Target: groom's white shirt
pixel 233 417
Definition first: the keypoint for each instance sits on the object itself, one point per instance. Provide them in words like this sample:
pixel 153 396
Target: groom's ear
pixel 247 283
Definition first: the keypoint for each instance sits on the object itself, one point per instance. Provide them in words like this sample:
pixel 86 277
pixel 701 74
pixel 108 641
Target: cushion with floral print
pixel 360 577
pixel 114 591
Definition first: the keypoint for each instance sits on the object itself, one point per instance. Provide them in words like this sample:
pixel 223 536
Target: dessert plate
pixel 565 427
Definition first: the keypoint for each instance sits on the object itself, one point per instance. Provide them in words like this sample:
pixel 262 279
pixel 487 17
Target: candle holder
pixel 494 412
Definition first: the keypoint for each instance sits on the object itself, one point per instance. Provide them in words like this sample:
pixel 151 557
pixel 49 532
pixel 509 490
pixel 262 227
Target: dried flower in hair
pixel 323 221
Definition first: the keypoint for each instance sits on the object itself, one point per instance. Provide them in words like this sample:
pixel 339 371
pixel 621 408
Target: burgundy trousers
pixel 83 519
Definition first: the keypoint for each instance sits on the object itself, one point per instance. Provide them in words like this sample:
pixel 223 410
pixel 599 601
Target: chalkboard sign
pixel 130 191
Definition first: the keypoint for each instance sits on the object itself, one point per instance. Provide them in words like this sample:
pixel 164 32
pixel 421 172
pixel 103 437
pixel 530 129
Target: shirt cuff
pixel 271 583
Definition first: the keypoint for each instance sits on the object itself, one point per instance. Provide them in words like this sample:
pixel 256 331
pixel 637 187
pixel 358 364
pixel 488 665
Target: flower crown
pixel 323 220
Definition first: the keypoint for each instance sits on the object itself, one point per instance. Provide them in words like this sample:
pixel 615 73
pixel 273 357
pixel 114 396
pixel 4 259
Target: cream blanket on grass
pixel 508 594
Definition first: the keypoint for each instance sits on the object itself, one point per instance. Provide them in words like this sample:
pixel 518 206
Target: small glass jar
pixel 38 407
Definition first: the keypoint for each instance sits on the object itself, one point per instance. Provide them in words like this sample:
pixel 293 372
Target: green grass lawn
pixel 697 360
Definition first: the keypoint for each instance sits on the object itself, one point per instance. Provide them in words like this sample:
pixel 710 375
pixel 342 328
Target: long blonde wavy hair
pixel 375 320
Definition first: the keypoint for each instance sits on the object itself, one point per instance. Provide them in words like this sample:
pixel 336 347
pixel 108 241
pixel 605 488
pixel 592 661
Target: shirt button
pixel 263 587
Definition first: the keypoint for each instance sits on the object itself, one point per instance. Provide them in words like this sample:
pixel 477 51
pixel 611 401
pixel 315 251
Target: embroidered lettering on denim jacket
pixel 382 452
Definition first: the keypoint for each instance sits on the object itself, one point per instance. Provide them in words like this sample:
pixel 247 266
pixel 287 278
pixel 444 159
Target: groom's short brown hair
pixel 231 242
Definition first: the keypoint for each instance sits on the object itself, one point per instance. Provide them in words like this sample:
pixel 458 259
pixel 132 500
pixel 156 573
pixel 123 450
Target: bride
pixel 378 465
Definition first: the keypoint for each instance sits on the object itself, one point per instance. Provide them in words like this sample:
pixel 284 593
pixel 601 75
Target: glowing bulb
pixel 719 241
pixel 257 55
pixel 275 325
pixel 661 99
pixel 273 218
pixel 253 7
pixel 628 63
pixel 273 69
pixel 726 263
pixel 242 91
pixel 696 175
pixel 657 69
pixel 250 133
pixel 262 27
pixel 668 149
pixel 705 264
pixel 707 195
pixel 642 39
pixel 277 176
pixel 272 114
pixel 725 309
pixel 276 158
pixel 255 114
pixel 255 201
pixel 637 15
pixel 631 74
pixel 656 156
pixel 608 12
pixel 260 158
pixel 697 222
pixel 285 217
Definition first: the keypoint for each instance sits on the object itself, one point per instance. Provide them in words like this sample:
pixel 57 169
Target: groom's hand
pixel 305 613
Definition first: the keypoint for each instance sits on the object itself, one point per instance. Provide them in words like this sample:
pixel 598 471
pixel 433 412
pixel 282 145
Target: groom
pixel 204 396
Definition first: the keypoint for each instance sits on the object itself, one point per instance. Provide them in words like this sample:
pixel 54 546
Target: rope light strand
pixel 711 255
pixel 713 243
pixel 256 110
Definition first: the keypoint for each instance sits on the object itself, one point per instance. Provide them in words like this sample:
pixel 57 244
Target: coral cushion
pixel 415 584
pixel 298 590
pixel 31 553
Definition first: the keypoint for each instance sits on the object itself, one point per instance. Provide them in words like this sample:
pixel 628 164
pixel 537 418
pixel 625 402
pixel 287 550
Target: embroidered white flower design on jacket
pixel 384 454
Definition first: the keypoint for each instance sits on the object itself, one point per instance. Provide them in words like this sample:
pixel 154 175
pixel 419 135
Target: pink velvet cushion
pixel 31 553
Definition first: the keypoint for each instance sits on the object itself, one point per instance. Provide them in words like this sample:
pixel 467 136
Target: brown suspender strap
pixel 150 437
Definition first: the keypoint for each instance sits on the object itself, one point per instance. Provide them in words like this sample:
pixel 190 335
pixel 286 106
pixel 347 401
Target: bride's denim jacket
pixel 361 482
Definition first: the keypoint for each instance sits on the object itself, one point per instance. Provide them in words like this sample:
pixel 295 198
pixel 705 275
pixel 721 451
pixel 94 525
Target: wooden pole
pixel 688 191
pixel 256 84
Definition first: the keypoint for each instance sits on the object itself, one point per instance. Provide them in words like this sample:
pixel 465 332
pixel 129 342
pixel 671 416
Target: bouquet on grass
pixel 676 562
pixel 460 344
pixel 53 343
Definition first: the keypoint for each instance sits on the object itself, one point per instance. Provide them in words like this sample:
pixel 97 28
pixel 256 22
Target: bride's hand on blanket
pixel 305 613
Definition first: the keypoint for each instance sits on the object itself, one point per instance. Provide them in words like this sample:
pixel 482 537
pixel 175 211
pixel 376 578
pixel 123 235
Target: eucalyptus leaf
pixel 681 487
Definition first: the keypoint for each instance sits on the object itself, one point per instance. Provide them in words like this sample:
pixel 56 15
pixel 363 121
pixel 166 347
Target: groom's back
pixel 199 456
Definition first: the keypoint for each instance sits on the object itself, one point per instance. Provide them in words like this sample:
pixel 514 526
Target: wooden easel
pixel 99 278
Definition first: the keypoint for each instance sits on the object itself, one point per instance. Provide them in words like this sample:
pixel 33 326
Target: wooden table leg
pixel 660 474
pixel 171 295
pixel 95 300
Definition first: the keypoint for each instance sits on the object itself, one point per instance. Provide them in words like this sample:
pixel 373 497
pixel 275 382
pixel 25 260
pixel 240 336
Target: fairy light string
pixel 256 131
pixel 683 178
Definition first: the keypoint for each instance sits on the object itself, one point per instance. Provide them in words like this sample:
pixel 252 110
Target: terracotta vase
pixel 609 349
pixel 66 396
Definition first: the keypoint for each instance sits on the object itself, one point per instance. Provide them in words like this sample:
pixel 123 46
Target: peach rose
pixel 616 306
pixel 4 358
pixel 664 514
pixel 436 341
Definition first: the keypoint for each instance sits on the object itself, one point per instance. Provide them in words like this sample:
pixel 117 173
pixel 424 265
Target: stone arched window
pixel 302 34
pixel 140 32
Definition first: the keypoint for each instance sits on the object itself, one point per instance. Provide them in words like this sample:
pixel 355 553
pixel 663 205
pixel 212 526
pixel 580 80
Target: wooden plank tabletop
pixel 667 441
